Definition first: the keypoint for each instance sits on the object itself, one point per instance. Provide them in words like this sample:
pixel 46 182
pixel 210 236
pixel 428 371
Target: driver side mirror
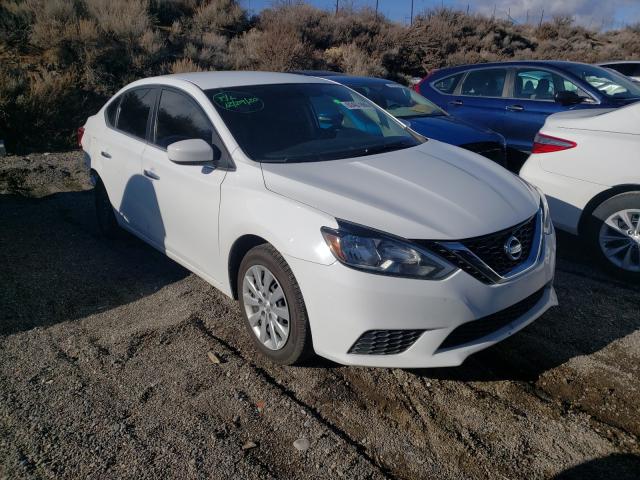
pixel 566 98
pixel 194 151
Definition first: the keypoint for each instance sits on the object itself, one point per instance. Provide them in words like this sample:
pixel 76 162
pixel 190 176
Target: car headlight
pixel 376 252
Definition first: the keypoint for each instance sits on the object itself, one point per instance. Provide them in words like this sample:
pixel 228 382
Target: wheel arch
pixel 596 201
pixel 237 252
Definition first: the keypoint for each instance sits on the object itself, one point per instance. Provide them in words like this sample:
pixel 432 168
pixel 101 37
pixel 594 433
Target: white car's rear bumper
pixel 343 304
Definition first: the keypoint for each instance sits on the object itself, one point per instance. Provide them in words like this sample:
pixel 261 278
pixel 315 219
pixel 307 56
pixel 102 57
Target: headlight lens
pixel 376 252
pixel 546 216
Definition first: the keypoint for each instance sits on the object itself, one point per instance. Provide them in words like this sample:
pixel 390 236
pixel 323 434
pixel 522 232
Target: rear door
pixel 120 150
pixel 531 100
pixel 183 216
pixel 478 98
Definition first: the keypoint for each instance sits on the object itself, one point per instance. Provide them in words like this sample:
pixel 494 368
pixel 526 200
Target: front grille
pixel 490 248
pixel 478 329
pixel 485 258
pixel 491 150
pixel 385 342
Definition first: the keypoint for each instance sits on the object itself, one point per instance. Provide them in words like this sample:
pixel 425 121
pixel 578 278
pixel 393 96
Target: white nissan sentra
pixel 338 229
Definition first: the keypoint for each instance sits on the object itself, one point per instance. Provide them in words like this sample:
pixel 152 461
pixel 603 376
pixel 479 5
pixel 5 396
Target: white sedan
pixel 588 164
pixel 338 230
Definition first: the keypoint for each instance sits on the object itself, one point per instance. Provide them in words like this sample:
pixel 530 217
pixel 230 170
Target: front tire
pixel 273 307
pixel 613 231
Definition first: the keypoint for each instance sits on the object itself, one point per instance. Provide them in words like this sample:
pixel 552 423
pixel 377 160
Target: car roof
pixel 221 79
pixel 618 62
pixel 510 63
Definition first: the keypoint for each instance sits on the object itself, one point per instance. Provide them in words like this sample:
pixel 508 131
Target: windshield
pixel 306 122
pixel 398 100
pixel 611 84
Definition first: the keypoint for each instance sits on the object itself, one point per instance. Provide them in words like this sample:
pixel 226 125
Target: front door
pixel 532 101
pixel 184 220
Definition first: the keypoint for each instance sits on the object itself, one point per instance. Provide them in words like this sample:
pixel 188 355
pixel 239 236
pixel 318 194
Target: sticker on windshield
pixel 240 102
pixel 354 105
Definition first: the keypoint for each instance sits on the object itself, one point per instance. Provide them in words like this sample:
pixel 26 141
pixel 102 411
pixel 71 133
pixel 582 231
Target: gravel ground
pixel 106 371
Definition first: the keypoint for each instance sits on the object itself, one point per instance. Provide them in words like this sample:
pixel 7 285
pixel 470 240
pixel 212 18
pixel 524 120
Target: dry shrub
pixel 353 60
pixel 184 65
pixel 126 20
pixel 84 50
pixel 225 17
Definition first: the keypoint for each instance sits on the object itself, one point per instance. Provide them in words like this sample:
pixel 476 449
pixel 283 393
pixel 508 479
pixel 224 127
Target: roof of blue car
pixel 552 63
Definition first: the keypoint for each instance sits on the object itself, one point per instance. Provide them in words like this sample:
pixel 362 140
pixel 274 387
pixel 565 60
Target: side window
pixel 180 119
pixel 534 85
pixel 448 85
pixel 484 83
pixel 135 107
pixel 112 112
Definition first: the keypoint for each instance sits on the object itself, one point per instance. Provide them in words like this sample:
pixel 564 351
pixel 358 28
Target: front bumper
pixel 343 304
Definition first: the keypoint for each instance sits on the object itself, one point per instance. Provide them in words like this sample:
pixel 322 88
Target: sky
pixel 605 14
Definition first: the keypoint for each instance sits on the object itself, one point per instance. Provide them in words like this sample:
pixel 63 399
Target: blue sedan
pixel 423 116
pixel 515 98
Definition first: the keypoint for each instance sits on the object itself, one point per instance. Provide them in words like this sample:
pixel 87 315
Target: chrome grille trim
pixel 488 275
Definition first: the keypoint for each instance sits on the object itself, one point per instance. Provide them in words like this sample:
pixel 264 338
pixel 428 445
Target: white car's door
pixel 120 150
pixel 184 218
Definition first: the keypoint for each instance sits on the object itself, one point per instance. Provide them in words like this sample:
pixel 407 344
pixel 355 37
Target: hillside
pixel 61 59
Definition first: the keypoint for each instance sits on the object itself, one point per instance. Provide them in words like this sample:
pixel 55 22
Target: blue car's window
pixel 307 122
pixel 609 83
pixel 448 85
pixel 487 82
pixel 398 100
pixel 534 85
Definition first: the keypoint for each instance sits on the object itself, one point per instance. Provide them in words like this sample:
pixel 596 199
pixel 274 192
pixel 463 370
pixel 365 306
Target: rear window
pixel 448 85
pixel 484 83
pixel 134 112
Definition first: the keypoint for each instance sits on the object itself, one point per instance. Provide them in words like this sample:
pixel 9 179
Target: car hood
pixel 448 129
pixel 432 191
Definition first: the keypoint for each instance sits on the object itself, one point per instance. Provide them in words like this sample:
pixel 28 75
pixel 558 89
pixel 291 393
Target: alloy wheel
pixel 620 239
pixel 266 306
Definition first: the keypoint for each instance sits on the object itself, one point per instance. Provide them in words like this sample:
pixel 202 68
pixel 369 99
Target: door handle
pixel 515 108
pixel 105 154
pixel 151 175
pixel 455 102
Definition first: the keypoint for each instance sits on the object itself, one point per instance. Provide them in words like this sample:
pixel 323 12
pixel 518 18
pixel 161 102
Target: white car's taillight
pixel 546 144
pixel 80 135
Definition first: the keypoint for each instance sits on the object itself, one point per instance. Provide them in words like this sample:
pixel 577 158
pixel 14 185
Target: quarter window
pixel 134 111
pixel 484 83
pixel 180 119
pixel 449 84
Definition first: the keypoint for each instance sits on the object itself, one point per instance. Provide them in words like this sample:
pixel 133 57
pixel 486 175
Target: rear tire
pixel 613 231
pixel 105 215
pixel 273 308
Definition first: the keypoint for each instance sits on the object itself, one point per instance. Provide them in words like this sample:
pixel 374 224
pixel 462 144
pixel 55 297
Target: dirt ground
pixel 105 371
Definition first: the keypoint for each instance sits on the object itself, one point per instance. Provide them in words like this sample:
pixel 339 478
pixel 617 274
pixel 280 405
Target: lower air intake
pixel 385 342
pixel 477 329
